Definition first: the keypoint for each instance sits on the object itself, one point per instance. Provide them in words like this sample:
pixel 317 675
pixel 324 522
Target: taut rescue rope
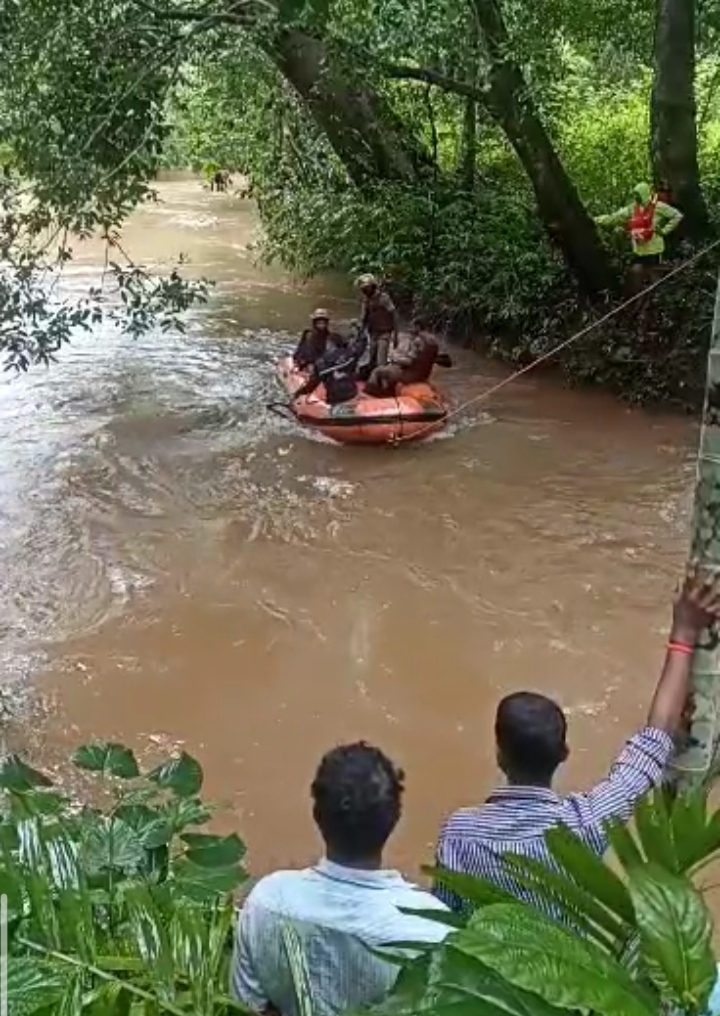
pixel 569 341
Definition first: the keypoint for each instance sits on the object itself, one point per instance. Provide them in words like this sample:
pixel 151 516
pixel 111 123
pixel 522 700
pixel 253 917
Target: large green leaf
pixel 689 825
pixel 39 801
pixel 588 870
pixel 199 937
pixel 534 953
pixel 188 811
pixel 110 843
pixel 676 930
pixel 205 884
pixel 183 776
pixel 654 830
pixel 19 777
pixel 563 896
pixel 109 758
pixel 475 891
pixel 446 917
pixel 622 842
pixel 33 985
pixel 147 923
pixel 213 851
pixel 409 989
pixel 455 976
pixel 153 826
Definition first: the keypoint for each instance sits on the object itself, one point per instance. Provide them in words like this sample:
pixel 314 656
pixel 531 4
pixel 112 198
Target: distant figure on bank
pixel 648 220
pixel 531 744
pixel 336 369
pixel 412 365
pixel 379 318
pixel 342 905
pixel 313 340
pixel 221 180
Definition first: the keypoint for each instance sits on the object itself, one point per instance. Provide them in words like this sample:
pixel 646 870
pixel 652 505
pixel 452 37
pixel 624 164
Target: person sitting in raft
pixel 335 369
pixel 313 340
pixel 380 320
pixel 648 221
pixel 407 367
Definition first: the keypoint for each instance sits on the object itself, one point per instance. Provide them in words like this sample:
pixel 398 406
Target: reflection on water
pixel 181 567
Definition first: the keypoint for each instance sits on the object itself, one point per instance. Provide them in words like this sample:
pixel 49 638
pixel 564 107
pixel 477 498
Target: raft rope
pixel 488 392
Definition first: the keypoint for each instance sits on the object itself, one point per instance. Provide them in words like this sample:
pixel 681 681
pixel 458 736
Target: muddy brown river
pixel 181 568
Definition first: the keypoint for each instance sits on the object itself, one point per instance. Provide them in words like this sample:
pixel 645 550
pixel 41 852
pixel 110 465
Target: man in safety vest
pixel 648 221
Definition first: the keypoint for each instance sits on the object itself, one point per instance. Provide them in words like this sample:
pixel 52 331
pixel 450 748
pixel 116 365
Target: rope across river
pixel 488 392
pixel 285 409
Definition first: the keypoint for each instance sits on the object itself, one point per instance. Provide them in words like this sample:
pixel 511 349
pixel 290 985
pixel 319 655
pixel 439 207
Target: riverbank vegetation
pixel 459 148
pixel 125 908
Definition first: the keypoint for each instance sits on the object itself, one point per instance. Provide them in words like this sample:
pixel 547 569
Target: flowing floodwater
pixel 179 567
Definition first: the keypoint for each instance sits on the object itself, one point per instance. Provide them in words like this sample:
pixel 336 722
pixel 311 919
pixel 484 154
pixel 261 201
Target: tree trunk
pixel 699 761
pixel 366 135
pixel 468 163
pixel 559 204
pixel 674 112
pixel 469 145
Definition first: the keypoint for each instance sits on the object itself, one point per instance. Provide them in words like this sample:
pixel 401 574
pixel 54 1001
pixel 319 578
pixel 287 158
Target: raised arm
pixel 697 606
pixel 644 759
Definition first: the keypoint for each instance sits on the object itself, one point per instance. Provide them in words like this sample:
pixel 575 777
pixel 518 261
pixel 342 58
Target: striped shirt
pixel 338 912
pixel 515 819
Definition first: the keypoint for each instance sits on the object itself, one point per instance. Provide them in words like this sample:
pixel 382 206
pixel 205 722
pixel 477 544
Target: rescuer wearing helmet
pixel 380 321
pixel 313 340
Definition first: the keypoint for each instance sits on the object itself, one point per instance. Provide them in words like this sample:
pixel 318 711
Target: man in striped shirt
pixel 530 733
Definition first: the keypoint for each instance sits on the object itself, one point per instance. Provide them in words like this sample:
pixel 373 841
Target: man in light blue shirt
pixel 340 907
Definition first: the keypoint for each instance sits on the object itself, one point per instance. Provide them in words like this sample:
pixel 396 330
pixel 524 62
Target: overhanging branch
pixel 431 77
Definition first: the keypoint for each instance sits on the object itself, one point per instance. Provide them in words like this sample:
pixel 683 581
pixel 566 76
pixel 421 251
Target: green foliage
pixel 122 909
pixel 83 91
pixel 510 959
pixel 480 261
pixel 646 933
pixel 676 932
pixel 96 95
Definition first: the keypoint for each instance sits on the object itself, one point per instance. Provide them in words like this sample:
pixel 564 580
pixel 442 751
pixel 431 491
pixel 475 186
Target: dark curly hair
pixel 357 800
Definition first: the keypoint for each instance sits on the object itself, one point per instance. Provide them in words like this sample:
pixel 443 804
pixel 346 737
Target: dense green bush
pixel 121 908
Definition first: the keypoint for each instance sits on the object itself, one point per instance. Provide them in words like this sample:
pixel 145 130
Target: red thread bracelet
pixel 680 647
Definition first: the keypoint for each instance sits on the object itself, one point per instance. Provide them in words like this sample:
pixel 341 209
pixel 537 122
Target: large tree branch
pixel 431 77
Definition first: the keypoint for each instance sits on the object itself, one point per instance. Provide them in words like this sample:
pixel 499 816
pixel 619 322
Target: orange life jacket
pixel 641 226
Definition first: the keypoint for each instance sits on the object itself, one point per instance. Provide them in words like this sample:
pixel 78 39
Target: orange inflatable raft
pixel 415 412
